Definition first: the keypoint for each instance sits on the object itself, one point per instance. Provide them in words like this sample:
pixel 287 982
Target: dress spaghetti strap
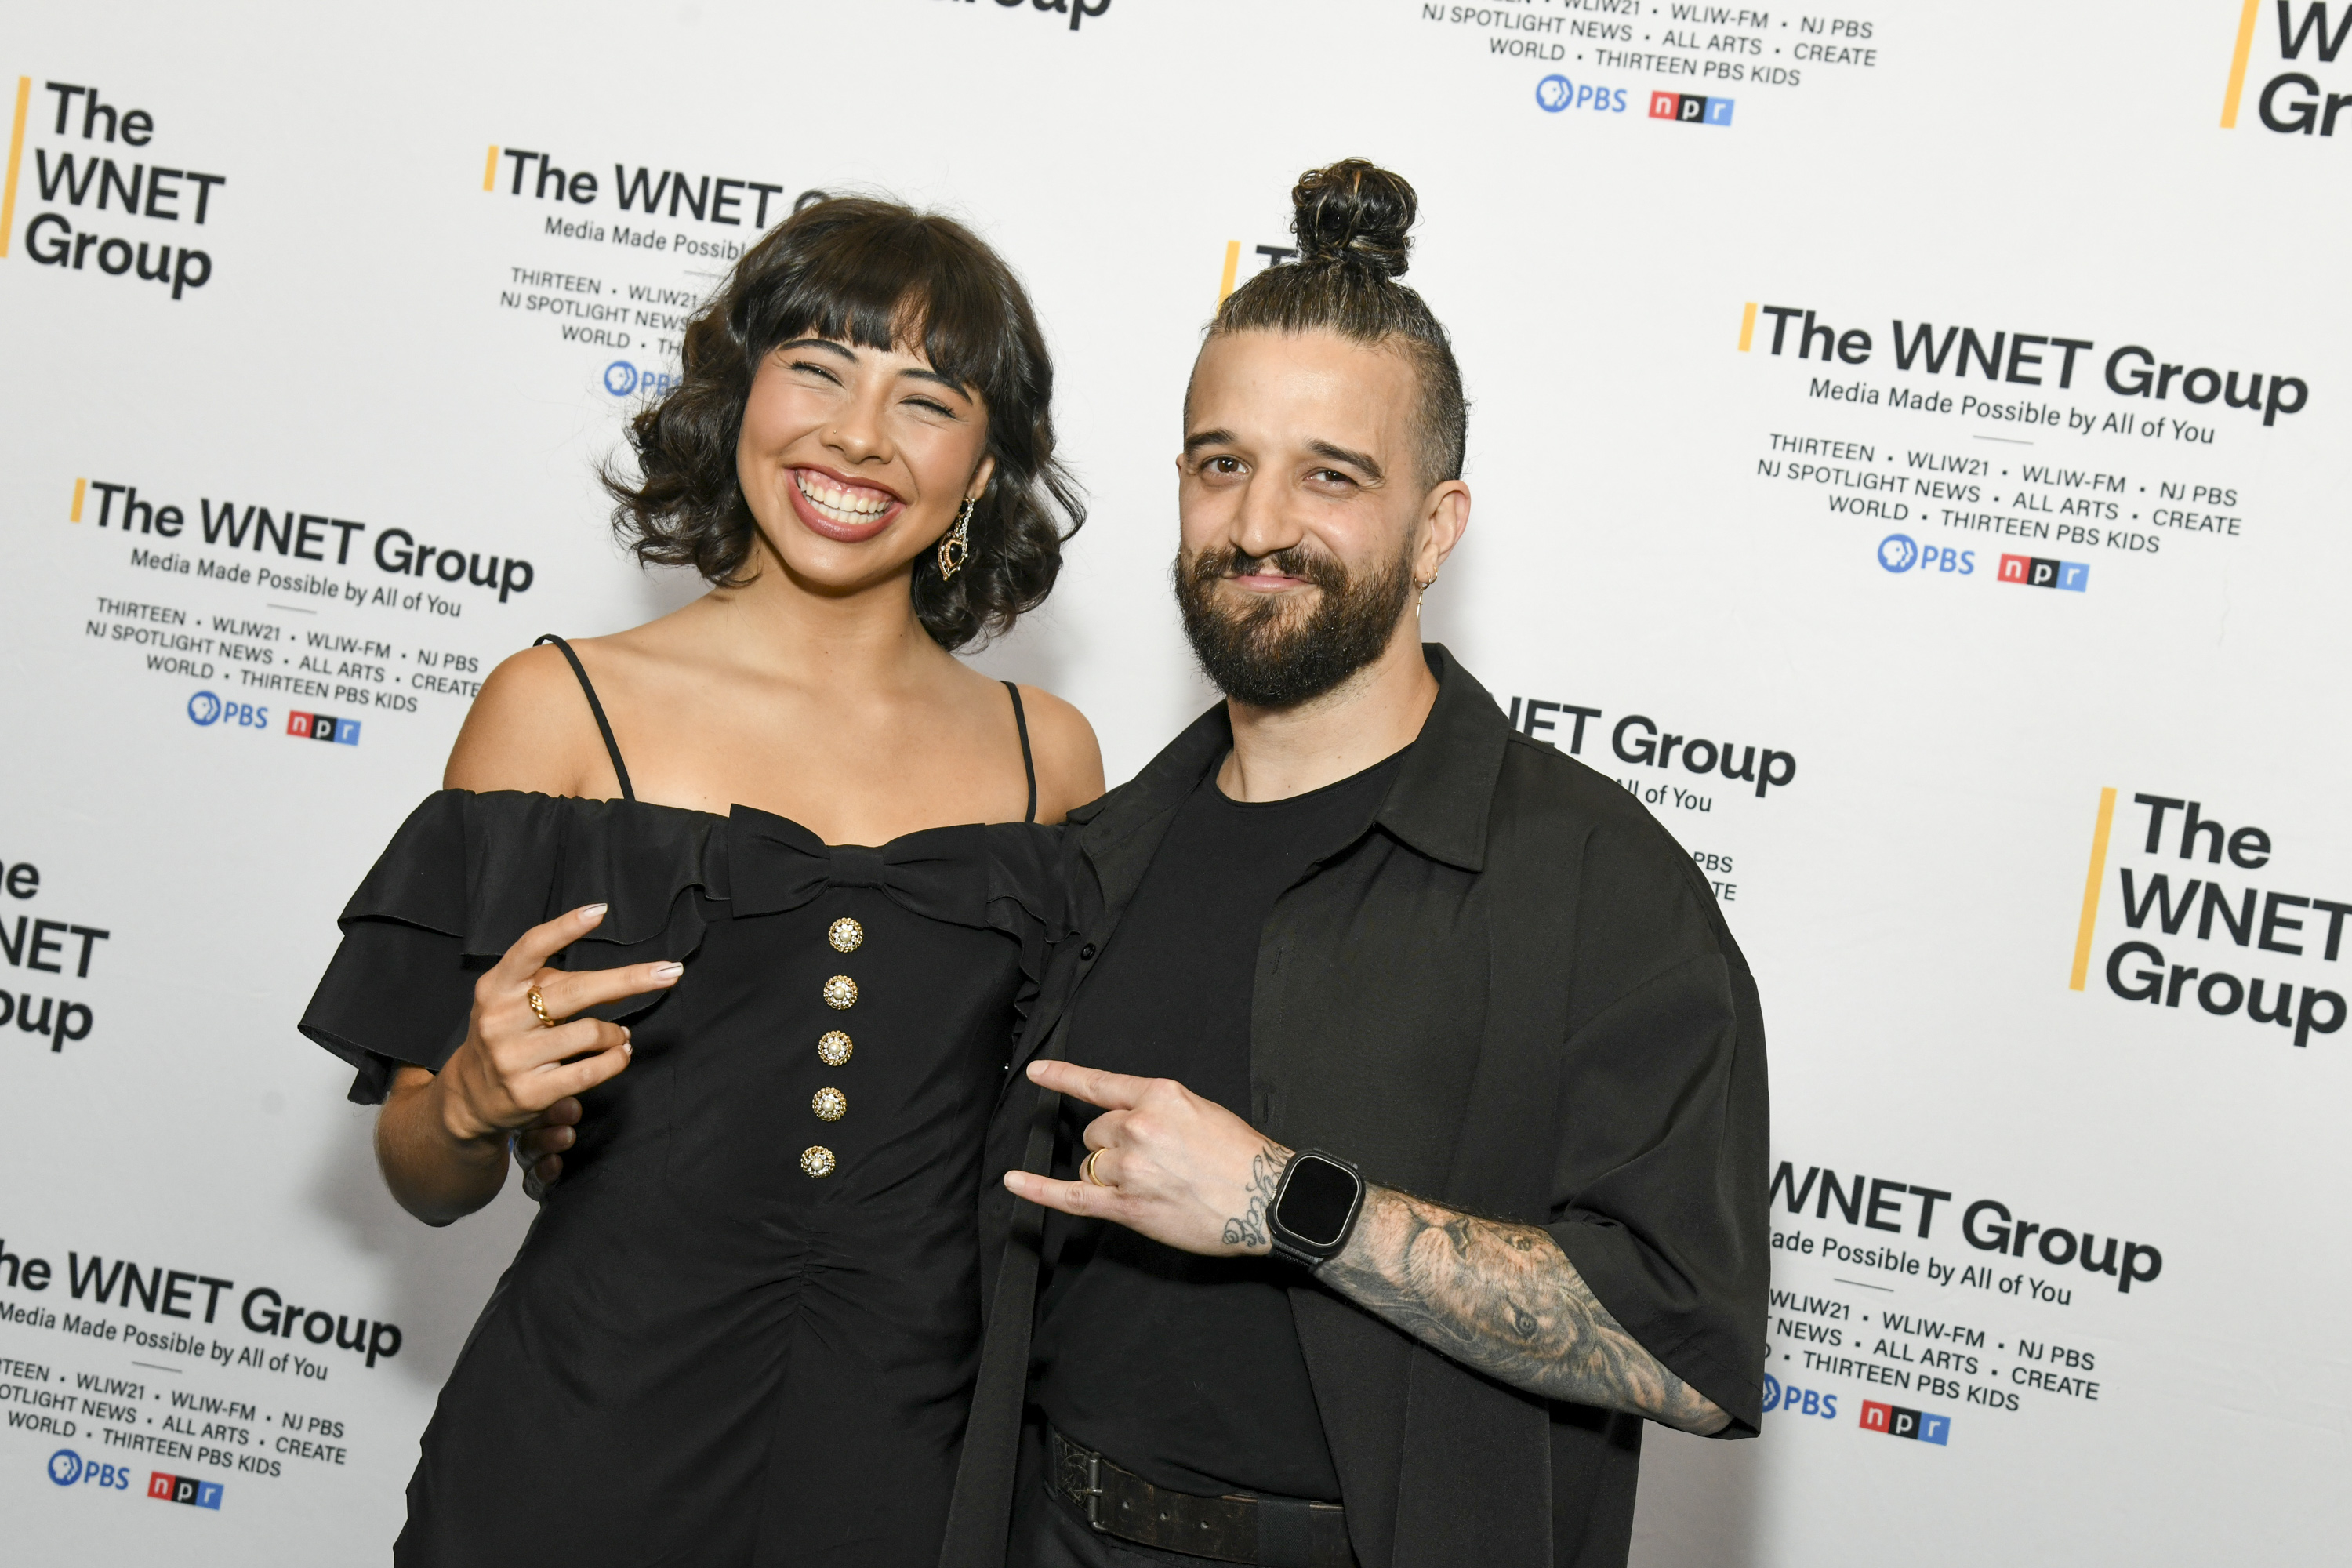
pixel 1020 722
pixel 613 747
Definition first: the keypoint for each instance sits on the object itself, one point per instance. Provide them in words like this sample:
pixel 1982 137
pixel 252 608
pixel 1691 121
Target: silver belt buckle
pixel 1094 1490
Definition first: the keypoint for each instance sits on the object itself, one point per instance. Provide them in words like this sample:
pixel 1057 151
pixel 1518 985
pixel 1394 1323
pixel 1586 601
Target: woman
pixel 742 1327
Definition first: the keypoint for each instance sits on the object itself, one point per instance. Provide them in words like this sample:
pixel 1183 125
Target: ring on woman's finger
pixel 538 1006
pixel 1086 1169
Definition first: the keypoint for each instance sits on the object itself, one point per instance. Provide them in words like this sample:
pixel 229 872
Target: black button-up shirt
pixel 1511 992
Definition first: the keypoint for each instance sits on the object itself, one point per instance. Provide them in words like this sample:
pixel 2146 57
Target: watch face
pixel 1315 1200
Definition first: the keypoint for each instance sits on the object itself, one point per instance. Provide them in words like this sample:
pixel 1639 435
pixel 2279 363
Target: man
pixel 1350 912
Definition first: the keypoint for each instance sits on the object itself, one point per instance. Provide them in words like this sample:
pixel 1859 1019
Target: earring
pixel 1422 594
pixel 955 545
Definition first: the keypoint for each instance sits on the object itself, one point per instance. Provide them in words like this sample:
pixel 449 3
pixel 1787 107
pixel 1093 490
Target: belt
pixel 1276 1532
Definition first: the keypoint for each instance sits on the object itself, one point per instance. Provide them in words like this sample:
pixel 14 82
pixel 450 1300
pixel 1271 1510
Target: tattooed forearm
pixel 1505 1300
pixel 1247 1229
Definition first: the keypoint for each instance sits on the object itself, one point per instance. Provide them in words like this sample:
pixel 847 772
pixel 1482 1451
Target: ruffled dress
pixel 743 1327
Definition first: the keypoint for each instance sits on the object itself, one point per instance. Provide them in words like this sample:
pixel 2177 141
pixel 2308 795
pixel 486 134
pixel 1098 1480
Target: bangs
pixel 882 277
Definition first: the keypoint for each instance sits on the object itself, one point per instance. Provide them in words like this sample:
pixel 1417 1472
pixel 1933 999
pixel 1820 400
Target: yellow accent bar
pixel 1748 327
pixel 490 169
pixel 2091 886
pixel 15 157
pixel 1233 265
pixel 2238 76
pixel 81 489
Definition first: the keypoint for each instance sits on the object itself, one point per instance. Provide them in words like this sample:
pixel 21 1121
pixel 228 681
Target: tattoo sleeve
pixel 1247 1229
pixel 1503 1299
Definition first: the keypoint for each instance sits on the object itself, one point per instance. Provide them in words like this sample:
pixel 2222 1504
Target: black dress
pixel 743 1328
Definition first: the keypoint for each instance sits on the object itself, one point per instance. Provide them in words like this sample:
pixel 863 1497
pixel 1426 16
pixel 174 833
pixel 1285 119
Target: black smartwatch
pixel 1315 1208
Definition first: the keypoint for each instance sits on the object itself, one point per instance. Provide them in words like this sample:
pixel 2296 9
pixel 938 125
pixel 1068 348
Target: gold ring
pixel 1086 1169
pixel 538 1006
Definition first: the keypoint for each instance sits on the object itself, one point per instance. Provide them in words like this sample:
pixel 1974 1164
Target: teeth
pixel 840 504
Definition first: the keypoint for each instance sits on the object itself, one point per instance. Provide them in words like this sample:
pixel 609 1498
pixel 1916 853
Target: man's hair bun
pixel 1352 222
pixel 1354 211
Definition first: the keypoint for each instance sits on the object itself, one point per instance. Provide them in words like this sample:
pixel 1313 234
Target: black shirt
pixel 1516 996
pixel 1186 1369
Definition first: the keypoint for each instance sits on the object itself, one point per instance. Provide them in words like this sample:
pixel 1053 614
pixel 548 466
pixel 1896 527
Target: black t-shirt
pixel 1186 1369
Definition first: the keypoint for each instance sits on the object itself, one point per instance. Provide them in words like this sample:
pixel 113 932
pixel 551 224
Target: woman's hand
pixel 539 1147
pixel 515 1064
pixel 442 1137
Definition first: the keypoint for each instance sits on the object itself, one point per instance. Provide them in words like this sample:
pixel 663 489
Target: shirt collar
pixel 1438 803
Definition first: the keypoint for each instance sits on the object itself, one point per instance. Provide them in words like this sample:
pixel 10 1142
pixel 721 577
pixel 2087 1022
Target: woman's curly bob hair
pixel 878 274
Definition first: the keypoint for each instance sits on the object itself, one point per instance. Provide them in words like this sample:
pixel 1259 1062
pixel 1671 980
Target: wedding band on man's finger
pixel 1086 1169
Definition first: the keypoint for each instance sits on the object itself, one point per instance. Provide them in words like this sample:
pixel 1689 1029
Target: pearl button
pixel 817 1160
pixel 845 935
pixel 830 1104
pixel 841 993
pixel 833 1047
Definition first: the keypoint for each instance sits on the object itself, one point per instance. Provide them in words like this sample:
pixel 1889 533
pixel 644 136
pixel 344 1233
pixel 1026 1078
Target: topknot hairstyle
pixel 878 274
pixel 1353 221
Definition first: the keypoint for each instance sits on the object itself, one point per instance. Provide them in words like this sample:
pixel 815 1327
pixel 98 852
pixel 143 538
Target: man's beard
pixel 1269 655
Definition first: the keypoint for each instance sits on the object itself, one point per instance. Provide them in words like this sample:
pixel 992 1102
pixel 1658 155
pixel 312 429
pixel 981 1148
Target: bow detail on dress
pixel 773 864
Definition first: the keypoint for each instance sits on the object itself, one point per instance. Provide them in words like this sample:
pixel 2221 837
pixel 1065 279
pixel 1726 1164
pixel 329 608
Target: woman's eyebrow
pixel 847 354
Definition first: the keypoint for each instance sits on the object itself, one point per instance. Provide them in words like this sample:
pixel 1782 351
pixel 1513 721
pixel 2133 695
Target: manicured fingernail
pixel 592 913
pixel 628 1050
pixel 669 970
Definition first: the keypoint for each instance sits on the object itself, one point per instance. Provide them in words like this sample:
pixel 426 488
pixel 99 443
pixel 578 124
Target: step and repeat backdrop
pixel 1910 452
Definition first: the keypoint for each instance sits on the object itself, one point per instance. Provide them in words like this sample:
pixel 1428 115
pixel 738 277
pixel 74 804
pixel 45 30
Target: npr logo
pixel 1897 1422
pixel 1690 108
pixel 185 1489
pixel 322 727
pixel 2033 571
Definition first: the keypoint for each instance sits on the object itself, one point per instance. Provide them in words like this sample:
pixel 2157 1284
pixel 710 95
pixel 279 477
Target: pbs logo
pixel 1789 1398
pixel 1898 553
pixel 65 1467
pixel 205 708
pixel 622 379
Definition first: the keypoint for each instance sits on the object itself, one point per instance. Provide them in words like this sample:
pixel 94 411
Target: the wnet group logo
pixel 2289 49
pixel 115 194
pixel 2210 924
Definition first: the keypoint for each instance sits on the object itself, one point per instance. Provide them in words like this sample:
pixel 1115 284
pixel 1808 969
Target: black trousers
pixel 1050 1532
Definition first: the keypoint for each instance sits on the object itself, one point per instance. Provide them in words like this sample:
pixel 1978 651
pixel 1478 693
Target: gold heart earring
pixel 955 545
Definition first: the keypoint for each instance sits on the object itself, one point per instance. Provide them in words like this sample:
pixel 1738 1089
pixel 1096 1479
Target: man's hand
pixel 1501 1298
pixel 1165 1164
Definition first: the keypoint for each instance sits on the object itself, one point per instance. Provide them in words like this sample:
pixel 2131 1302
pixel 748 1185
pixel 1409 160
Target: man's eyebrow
pixel 1357 460
pixel 1199 438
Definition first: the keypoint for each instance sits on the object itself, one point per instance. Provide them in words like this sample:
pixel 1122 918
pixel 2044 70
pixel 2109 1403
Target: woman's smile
pixel 841 508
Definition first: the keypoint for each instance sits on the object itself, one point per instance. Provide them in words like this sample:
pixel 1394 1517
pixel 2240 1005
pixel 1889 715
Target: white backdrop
pixel 378 321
